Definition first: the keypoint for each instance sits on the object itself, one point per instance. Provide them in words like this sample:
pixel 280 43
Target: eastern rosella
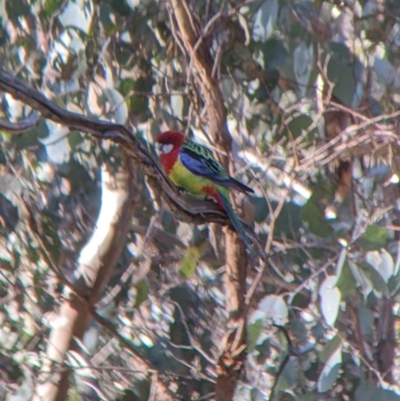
pixel 192 167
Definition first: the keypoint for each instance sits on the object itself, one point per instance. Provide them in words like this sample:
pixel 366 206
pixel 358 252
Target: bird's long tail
pixel 226 204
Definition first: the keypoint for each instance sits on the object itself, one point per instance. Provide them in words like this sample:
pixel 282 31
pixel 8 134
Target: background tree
pixel 114 285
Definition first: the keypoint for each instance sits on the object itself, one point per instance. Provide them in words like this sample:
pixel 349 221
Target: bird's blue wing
pixel 199 160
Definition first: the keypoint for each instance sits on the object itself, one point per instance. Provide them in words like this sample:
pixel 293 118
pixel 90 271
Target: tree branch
pixel 22 126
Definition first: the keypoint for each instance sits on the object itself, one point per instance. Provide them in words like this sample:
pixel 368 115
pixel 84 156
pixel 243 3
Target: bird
pixel 192 167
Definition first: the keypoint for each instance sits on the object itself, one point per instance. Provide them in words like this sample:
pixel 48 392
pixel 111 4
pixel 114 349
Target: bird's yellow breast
pixel 185 179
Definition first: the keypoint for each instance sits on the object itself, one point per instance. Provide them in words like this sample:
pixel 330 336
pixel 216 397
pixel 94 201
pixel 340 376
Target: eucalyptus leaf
pixel 330 371
pixel 77 15
pixel 142 292
pixel 119 108
pixel 374 237
pixel 274 307
pixel 265 19
pixel 369 391
pixel 382 262
pixel 330 298
pixel 253 333
pixel 189 262
pixel 361 278
pixel 303 60
pixel 313 215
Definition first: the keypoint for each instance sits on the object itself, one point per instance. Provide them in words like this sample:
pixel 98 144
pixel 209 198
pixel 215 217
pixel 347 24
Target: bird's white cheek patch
pixel 167 148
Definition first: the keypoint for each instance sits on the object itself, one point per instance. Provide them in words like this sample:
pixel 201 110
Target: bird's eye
pixel 166 148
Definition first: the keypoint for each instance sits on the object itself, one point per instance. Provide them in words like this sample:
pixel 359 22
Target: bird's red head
pixel 173 138
pixel 171 142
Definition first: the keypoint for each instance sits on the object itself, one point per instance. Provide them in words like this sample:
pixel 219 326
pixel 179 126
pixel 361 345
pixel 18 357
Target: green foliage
pixel 17 9
pixel 29 140
pixel 330 347
pixel 368 391
pixel 374 237
pixel 142 294
pixel 312 214
pixel 189 262
pixel 342 70
pixel 261 208
pixel 75 139
pixel 253 333
pixel 297 127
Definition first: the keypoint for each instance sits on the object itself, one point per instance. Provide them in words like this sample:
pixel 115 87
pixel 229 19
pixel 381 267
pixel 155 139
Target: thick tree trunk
pixel 232 355
pixel 97 262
